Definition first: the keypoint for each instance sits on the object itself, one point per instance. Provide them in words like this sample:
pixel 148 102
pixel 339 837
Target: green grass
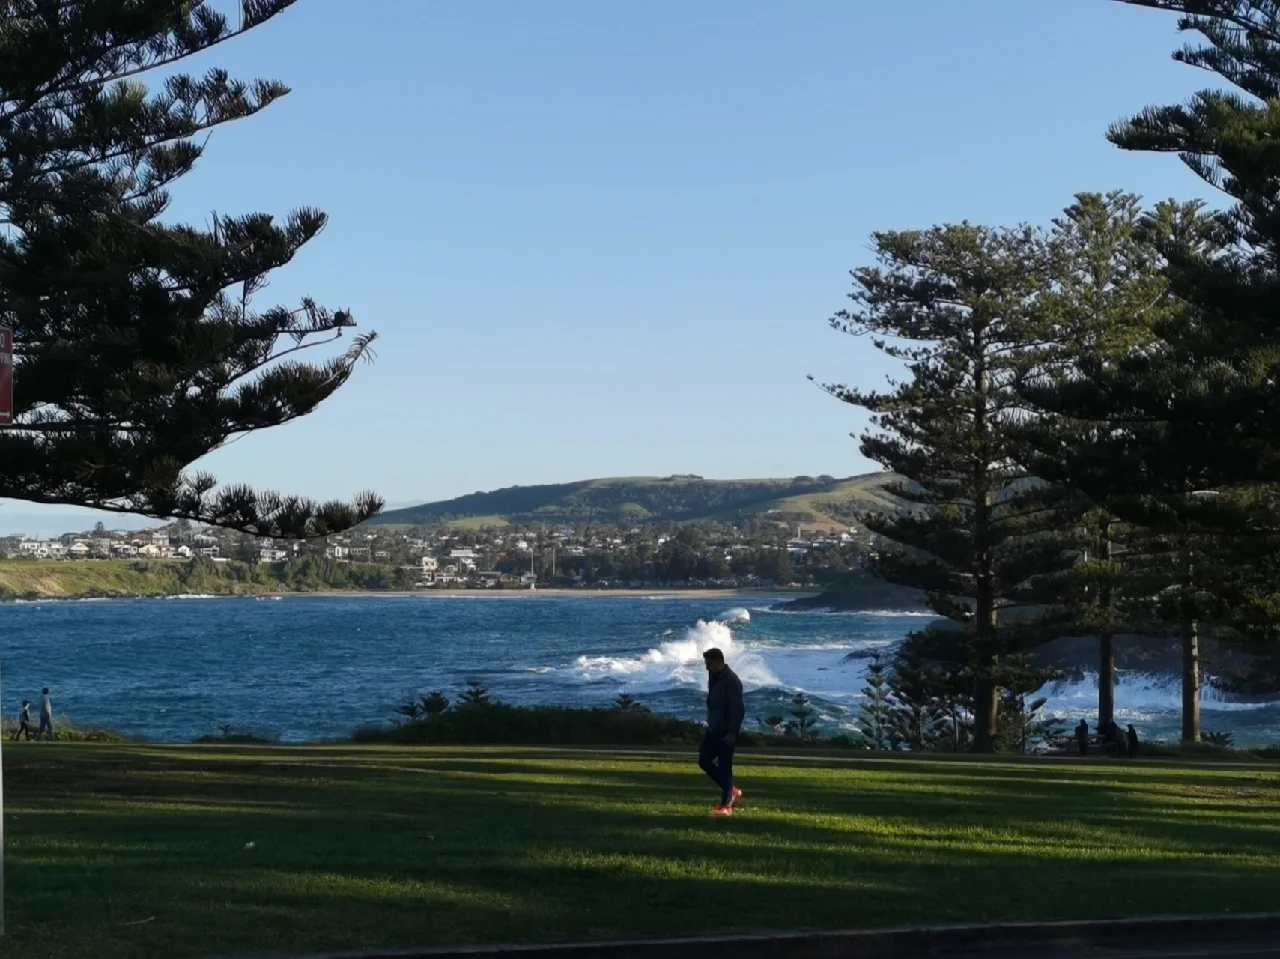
pixel 66 579
pixel 116 851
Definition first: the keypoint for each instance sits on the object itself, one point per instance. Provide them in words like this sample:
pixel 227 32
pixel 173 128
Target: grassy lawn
pixel 116 851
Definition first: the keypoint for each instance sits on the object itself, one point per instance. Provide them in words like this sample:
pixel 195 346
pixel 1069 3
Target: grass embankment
pixel 132 851
pixel 71 579
pixel 74 578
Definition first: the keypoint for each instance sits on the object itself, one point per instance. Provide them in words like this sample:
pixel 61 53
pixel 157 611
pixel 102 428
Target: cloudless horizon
pixel 604 240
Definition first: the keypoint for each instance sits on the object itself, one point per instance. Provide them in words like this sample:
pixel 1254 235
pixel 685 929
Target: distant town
pixel 589 555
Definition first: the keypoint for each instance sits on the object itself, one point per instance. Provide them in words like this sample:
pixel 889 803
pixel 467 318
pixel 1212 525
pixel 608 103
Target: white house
pixel 430 564
pixel 33 547
pixel 271 554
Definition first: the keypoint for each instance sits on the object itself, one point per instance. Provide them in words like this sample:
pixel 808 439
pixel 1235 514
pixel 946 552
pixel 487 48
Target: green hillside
pixel 822 500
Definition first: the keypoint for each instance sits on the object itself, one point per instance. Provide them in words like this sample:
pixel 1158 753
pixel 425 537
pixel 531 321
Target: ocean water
pixel 308 668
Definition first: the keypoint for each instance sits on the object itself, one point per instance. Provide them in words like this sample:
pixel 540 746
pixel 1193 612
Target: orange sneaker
pixel 722 811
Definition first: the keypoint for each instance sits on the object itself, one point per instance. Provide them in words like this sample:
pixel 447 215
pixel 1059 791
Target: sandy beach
pixel 560 593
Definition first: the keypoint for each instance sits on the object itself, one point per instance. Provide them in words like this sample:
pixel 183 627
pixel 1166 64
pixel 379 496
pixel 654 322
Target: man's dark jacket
pixel 725 709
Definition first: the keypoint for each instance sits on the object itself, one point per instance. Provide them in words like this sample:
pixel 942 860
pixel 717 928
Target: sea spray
pixel 680 661
pixel 734 616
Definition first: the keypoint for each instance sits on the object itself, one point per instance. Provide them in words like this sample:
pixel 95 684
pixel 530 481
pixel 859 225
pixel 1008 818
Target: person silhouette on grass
pixel 46 715
pixel 24 722
pixel 725 712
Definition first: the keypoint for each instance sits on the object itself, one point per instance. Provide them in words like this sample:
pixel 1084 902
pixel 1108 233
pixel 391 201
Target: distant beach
pixel 553 593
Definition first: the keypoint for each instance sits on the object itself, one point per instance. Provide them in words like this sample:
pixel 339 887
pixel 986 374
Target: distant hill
pixel 818 501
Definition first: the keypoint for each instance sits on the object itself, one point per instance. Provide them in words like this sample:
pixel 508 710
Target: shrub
pixel 227 734
pixel 502 724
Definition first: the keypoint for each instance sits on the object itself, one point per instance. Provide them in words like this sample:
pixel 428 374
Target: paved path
pixel 1234 950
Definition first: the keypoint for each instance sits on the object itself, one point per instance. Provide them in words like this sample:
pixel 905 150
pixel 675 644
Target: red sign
pixel 6 377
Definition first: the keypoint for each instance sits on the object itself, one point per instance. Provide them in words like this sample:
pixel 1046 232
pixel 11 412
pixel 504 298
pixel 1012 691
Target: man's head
pixel 45 691
pixel 715 661
pixel 26 703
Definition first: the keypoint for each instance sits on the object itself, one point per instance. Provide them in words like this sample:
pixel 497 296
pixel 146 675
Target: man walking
pixel 725 712
pixel 46 715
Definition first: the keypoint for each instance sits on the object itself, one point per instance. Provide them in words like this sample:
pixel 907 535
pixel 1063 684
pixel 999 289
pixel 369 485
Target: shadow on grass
pixel 226 851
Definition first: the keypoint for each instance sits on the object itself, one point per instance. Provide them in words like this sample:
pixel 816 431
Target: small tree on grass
pixel 917 713
pixel 875 720
pixel 435 702
pixel 1023 721
pixel 476 694
pixel 773 724
pixel 804 718
pixel 432 704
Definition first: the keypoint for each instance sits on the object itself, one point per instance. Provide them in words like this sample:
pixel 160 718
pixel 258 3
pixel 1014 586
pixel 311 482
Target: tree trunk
pixel 986 697
pixel 1106 641
pixel 1106 680
pixel 986 714
pixel 1190 682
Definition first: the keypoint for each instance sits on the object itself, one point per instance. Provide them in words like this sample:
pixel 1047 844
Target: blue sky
pixel 604 239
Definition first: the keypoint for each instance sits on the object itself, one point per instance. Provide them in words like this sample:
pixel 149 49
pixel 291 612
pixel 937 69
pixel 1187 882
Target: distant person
pixel 24 722
pixel 725 712
pixel 46 715
pixel 1131 738
pixel 1117 739
pixel 1082 737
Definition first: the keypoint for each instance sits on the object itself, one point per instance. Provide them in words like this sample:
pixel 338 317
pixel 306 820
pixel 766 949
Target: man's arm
pixel 737 708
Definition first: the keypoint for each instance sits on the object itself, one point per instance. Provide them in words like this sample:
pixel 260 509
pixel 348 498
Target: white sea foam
pixel 1138 697
pixel 678 662
pixel 876 613
pixel 734 616
pixel 192 596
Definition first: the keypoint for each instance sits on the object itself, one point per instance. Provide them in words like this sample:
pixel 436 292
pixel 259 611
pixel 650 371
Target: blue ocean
pixel 316 667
